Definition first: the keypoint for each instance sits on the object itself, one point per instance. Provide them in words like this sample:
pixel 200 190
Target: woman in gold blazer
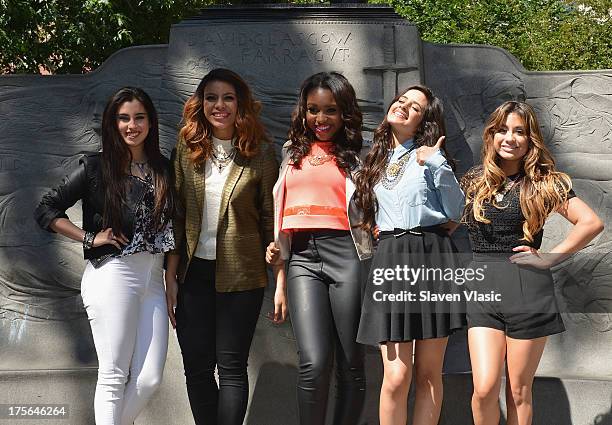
pixel 224 174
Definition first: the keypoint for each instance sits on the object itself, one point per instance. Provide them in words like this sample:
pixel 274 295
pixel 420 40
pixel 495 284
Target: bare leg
pixel 487 352
pixel 397 363
pixel 428 362
pixel 523 358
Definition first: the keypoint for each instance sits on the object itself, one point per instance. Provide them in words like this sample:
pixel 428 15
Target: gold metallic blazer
pixel 246 217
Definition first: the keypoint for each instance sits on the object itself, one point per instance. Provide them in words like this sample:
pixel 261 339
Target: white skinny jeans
pixel 126 306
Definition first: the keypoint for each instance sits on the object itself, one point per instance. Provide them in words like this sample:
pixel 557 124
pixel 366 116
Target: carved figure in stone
pixel 509 198
pixel 127 201
pixel 408 166
pixel 470 100
pixel 315 233
pixel 224 169
pixel 45 289
pixel 576 119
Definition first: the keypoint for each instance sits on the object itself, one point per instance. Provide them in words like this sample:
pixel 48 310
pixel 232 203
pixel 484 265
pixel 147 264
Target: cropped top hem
pixel 297 222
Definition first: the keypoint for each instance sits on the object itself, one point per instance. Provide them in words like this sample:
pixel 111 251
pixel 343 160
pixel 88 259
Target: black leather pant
pixel 324 291
pixel 215 328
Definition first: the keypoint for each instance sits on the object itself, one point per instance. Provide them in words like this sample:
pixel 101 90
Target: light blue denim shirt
pixel 426 195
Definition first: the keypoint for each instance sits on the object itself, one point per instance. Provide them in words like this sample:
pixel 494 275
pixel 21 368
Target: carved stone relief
pixel 47 121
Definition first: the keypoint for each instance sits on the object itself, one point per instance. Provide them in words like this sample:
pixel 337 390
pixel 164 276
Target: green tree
pixel 69 36
pixel 542 34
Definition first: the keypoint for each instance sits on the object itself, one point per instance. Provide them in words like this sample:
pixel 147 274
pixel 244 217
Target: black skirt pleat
pixel 399 321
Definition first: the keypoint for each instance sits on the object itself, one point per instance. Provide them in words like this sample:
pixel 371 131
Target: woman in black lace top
pixel 508 200
pixel 128 202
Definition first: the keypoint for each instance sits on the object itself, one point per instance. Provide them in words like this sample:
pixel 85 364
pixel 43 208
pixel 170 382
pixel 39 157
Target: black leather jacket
pixel 85 183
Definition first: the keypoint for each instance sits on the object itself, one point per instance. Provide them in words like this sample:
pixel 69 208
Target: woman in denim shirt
pixel 408 190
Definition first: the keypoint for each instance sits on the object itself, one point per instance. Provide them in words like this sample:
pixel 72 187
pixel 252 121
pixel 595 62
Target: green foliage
pixel 69 36
pixel 542 34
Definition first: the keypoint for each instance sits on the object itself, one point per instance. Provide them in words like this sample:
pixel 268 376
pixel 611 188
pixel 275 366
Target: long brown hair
pixel 116 158
pixel 347 141
pixel 197 131
pixel 543 189
pixel 427 134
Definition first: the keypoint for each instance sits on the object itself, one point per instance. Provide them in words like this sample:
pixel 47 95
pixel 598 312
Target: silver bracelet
pixel 88 240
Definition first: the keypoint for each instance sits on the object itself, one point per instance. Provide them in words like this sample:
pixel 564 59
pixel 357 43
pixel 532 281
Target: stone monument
pixel 47 355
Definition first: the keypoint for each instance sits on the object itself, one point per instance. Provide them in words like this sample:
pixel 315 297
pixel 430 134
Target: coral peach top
pixel 315 193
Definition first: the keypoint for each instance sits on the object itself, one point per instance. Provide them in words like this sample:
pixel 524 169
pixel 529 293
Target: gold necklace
pixel 395 170
pixel 316 160
pixel 506 187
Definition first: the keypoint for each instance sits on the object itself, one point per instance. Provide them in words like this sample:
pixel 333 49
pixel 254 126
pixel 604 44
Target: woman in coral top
pixel 315 231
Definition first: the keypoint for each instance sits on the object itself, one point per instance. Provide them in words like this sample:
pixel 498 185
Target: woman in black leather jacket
pixel 126 192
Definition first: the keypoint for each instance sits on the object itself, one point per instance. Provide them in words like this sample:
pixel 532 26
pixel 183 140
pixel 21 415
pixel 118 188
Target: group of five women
pixel 222 208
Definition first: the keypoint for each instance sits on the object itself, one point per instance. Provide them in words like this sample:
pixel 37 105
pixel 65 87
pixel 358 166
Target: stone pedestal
pixel 47 356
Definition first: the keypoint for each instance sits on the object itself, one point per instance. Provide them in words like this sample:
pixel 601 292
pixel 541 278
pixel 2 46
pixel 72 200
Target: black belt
pixel 418 231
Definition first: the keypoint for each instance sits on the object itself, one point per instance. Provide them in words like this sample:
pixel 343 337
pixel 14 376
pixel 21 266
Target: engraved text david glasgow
pixel 284 48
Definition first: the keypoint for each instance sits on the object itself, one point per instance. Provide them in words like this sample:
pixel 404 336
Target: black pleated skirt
pixel 411 291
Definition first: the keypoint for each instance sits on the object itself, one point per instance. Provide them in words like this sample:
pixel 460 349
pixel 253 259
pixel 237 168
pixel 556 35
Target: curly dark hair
pixel 431 128
pixel 347 143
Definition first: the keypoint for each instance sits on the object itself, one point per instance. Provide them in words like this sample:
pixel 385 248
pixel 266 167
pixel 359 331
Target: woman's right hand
pixel 171 296
pixel 106 237
pixel 280 305
pixel 376 232
pixel 449 227
pixel 273 254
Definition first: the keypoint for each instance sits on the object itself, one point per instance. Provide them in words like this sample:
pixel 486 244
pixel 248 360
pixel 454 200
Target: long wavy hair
pixel 429 131
pixel 197 132
pixel 543 189
pixel 347 141
pixel 116 158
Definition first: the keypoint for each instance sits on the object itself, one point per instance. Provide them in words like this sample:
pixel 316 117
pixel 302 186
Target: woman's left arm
pixel 587 225
pixel 266 201
pixel 446 185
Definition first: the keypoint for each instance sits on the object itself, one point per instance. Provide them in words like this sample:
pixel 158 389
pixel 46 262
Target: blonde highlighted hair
pixel 197 131
pixel 543 189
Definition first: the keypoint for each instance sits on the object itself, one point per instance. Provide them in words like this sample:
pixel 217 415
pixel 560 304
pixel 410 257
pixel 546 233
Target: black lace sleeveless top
pixel 505 231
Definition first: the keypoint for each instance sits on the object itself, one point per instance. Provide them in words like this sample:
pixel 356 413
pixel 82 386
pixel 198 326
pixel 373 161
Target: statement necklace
pixel 222 159
pixel 395 170
pixel 316 160
pixel 508 184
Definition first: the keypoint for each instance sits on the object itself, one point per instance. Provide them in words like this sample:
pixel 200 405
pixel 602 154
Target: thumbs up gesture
pixel 425 152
